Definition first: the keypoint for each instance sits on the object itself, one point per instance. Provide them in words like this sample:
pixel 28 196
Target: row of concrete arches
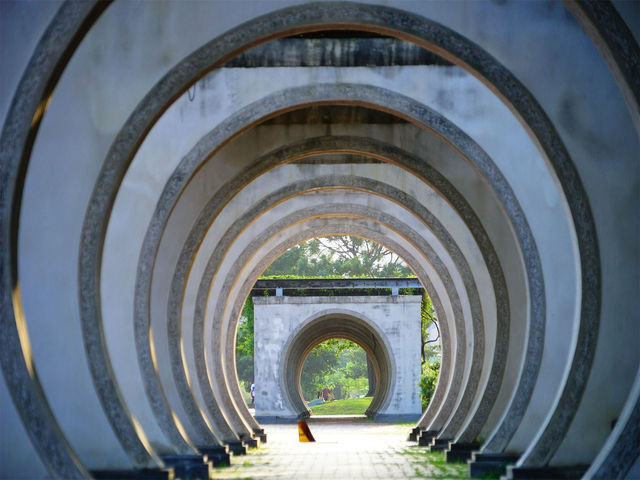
pixel 146 186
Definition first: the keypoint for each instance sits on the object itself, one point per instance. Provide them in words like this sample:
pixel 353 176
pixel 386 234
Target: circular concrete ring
pixel 367 147
pixel 251 252
pixel 342 225
pixel 458 50
pixel 174 311
pixel 542 127
pixel 335 325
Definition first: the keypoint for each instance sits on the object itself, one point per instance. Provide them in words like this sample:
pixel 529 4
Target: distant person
pixel 325 394
pixel 253 394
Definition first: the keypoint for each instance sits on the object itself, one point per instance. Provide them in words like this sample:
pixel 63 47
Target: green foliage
pixel 427 319
pixel 244 345
pixel 348 406
pixel 338 256
pixel 430 352
pixel 340 365
pixel 244 337
pixel 428 380
pixel 245 388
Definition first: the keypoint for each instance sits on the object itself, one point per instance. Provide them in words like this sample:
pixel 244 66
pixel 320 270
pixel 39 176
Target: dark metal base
pixel 426 437
pixel 484 464
pixel 460 452
pixel 144 474
pixel 551 473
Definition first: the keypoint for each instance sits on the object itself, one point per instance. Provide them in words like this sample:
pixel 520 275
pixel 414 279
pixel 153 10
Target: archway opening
pixel 337 378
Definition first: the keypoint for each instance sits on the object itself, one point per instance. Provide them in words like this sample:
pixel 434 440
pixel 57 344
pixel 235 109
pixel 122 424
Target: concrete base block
pixel 251 442
pixel 460 452
pixel 237 447
pixel 144 474
pixel 439 444
pixel 218 455
pixel 261 436
pixel 189 466
pixel 426 437
pixel 551 473
pixel 484 464
pixel 213 449
pixel 415 434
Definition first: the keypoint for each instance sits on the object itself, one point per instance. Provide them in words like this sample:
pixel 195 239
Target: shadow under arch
pixel 337 323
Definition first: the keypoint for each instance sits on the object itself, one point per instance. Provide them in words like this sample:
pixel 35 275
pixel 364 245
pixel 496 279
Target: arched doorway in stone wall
pixel 386 327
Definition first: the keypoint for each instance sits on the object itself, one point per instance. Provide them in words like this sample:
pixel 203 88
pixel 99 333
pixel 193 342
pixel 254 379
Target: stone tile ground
pixel 343 450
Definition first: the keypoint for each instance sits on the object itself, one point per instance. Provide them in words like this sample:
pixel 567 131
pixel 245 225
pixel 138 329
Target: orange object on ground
pixel 304 434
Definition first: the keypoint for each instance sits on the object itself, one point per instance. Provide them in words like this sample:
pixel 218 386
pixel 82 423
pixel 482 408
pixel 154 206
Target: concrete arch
pixel 562 157
pixel 328 144
pixel 205 276
pixel 337 324
pixel 179 288
pixel 296 218
pixel 361 227
pixel 251 254
pixel 200 151
pixel 574 389
pixel 354 93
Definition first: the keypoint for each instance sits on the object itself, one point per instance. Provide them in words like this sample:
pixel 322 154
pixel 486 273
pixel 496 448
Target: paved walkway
pixel 343 450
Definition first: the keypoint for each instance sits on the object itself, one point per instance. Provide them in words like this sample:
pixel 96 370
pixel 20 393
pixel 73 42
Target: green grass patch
pixel 434 464
pixel 349 406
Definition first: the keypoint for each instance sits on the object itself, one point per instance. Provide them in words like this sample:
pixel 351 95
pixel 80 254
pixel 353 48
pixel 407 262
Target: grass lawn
pixel 349 406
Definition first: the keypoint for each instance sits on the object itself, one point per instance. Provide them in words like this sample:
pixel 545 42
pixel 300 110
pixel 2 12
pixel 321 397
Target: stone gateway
pixel 386 327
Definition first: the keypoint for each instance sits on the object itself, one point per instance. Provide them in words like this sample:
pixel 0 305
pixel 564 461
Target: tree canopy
pixel 339 256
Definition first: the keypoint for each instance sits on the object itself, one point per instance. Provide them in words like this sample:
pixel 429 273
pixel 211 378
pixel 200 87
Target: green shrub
pixel 428 380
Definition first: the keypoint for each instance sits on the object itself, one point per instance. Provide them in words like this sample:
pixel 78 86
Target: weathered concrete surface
pixel 18 456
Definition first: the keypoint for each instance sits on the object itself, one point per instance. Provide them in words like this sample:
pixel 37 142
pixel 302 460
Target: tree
pixel 244 345
pixel 430 351
pixel 338 364
pixel 339 256
pixel 427 320
pixel 428 380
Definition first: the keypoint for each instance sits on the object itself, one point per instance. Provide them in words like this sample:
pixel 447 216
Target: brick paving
pixel 343 450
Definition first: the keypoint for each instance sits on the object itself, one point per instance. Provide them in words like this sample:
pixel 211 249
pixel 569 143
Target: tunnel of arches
pixel 178 190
